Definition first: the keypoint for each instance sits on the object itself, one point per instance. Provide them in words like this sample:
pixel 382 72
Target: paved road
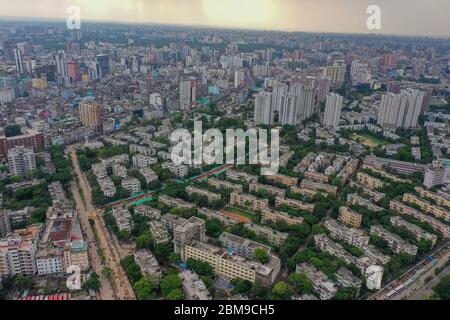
pixel 427 290
pixel 423 288
pixel 106 292
pixel 120 284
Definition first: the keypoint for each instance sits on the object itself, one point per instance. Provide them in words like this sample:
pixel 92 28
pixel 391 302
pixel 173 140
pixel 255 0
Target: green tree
pixel 442 289
pixel 261 255
pixel 200 267
pixel 241 286
pixel 301 283
pixel 169 283
pixel 281 291
pixel 93 283
pixel 131 269
pixel 144 241
pixel 145 287
pixel 175 294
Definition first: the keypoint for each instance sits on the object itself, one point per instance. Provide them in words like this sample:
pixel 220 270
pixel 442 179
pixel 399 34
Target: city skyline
pixel 345 16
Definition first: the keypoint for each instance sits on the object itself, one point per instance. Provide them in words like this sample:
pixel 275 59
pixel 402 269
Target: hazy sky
pixel 411 17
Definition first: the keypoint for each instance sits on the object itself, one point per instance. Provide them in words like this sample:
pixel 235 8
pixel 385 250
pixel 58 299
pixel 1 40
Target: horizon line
pixel 218 27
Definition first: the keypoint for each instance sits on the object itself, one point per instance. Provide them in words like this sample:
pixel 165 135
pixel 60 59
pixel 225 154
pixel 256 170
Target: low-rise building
pixel 283 179
pixel 369 181
pixel 325 288
pixel 433 196
pixel 434 210
pixel 149 212
pixel 319 187
pixel 295 204
pixel 241 176
pixel 375 255
pixel 372 194
pixel 148 174
pixel 241 246
pixel 433 222
pixel 274 191
pixel 327 245
pixel 248 202
pixel 119 170
pixel 147 263
pixel 159 232
pixel 217 215
pixel 193 287
pixel 273 236
pixel 211 196
pixel 123 218
pixel 385 174
pixel 180 171
pixel 171 221
pixel 418 232
pixel 397 244
pixel 347 279
pixel 350 217
pixel 143 161
pixel 233 266
pixel 355 199
pixel 276 216
pixel 133 185
pixel 176 203
pixel 355 237
pixel 222 184
pixel 316 176
pixel 108 187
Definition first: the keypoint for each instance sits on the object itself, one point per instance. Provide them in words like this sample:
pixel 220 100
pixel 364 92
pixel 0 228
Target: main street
pixel 120 284
pixel 106 292
pixel 423 288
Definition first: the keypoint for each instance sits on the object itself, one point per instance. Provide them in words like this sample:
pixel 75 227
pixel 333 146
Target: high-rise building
pixel 17 252
pixel 263 108
pixel 188 93
pixel 21 161
pixel 5 226
pixel 279 90
pixel 47 70
pixel 61 66
pixel 18 60
pixel 90 114
pixel 389 60
pixel 401 110
pixel 73 70
pixel 192 230
pixel 333 110
pixel 288 111
pixel 103 67
pixel 323 89
pixel 239 77
pixel 305 101
pixel 336 73
pixel 436 176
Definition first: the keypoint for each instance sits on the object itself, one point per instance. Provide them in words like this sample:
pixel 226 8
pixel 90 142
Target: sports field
pixel 238 214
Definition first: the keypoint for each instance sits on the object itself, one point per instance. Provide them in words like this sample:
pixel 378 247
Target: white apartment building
pixel 333 109
pixel 21 161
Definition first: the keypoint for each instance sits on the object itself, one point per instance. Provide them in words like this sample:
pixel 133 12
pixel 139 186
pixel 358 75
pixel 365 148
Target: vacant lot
pixel 369 141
